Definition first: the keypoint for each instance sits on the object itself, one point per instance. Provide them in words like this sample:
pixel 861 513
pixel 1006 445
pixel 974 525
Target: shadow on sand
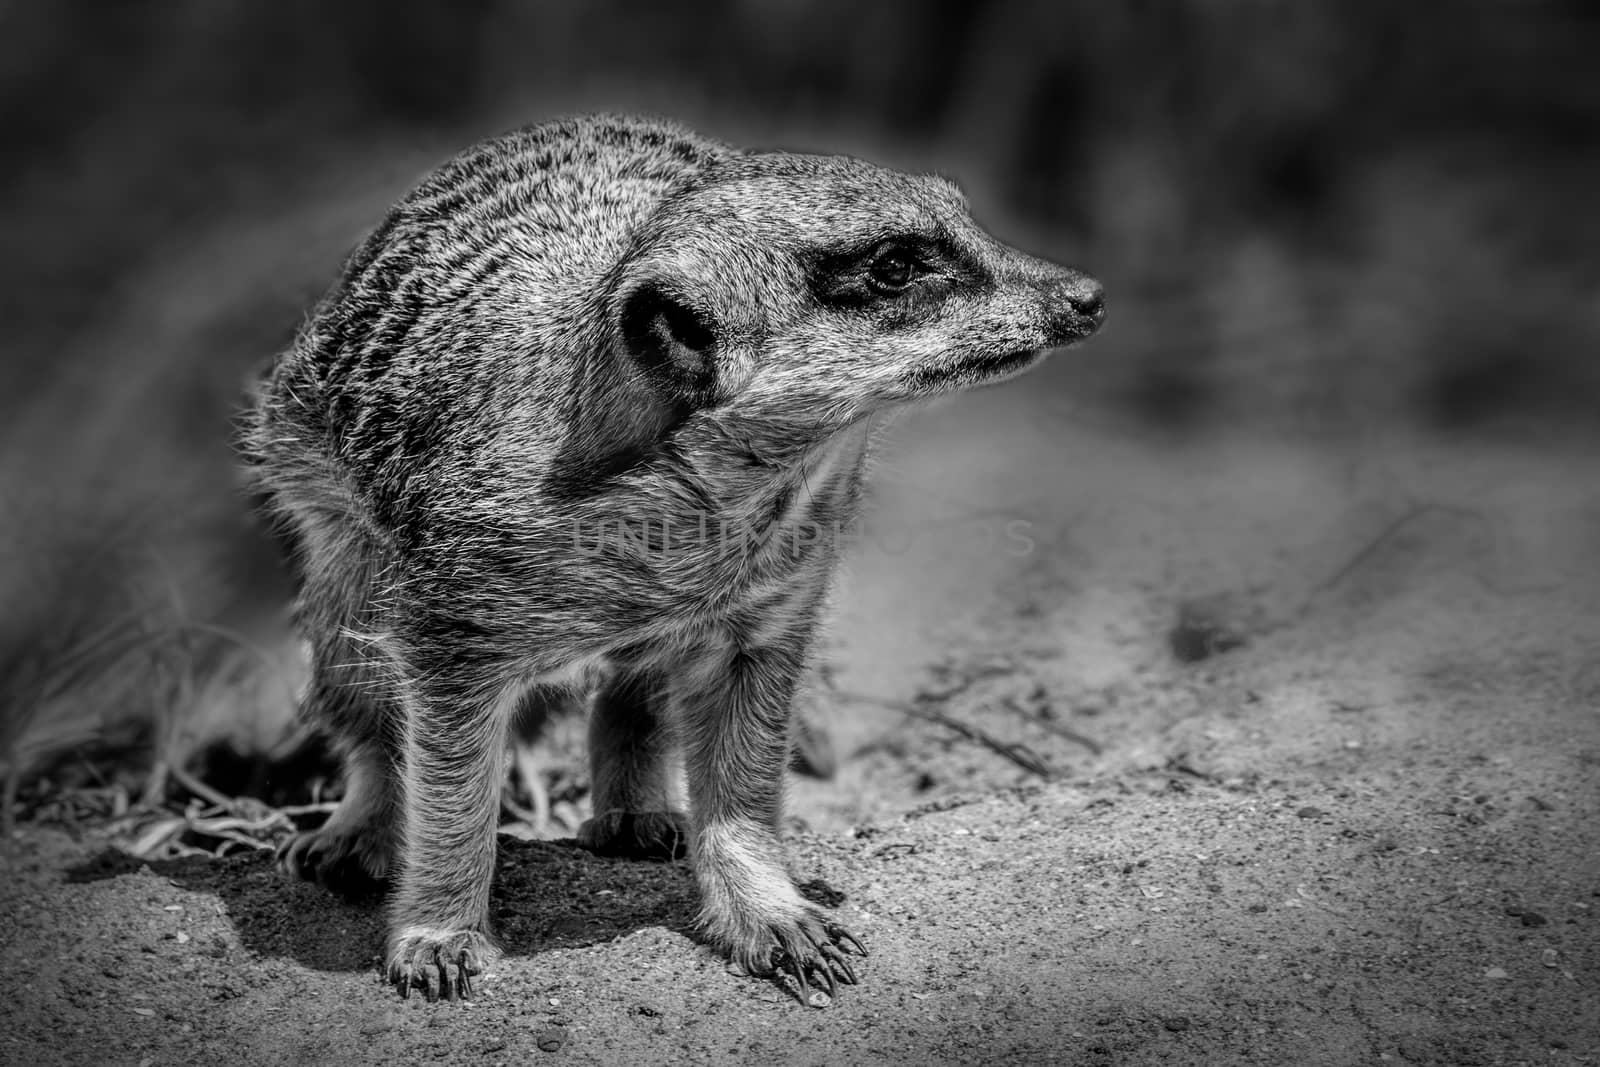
pixel 547 895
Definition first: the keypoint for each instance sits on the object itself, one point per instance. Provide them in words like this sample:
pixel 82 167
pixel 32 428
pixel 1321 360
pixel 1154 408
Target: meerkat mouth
pixel 977 370
pixel 1007 363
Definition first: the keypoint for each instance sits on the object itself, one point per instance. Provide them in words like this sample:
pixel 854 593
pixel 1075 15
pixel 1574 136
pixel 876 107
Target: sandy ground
pixel 1367 834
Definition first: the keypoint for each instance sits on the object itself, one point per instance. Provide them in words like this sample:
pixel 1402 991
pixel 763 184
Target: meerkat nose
pixel 1077 306
pixel 1089 300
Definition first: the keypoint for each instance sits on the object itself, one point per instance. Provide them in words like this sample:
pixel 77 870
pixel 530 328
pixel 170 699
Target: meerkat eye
pixel 892 269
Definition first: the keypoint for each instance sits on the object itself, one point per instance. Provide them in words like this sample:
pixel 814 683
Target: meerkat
pixel 587 409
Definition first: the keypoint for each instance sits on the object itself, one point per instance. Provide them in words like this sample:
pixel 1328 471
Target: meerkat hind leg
pixel 349 697
pixel 353 852
pixel 631 749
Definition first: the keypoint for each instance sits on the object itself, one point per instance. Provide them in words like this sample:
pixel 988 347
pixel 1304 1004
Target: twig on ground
pixel 1015 751
pixel 1051 725
pixel 1208 626
pixel 200 789
pixel 508 802
pixel 1365 552
pixel 326 807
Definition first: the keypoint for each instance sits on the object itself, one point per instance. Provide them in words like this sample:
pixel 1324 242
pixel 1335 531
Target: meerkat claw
pixel 822 968
pixel 411 976
pixel 440 963
pixel 839 933
pixel 421 976
pixel 836 958
pixel 792 966
pixel 445 991
pixel 812 971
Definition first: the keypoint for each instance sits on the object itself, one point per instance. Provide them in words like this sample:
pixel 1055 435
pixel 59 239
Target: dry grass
pixel 106 674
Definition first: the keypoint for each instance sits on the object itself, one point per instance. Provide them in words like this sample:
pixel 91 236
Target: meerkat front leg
pixel 454 760
pixel 735 706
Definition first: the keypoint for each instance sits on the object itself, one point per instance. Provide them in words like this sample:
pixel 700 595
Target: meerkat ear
pixel 672 342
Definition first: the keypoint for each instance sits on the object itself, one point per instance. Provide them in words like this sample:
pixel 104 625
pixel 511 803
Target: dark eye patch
pixel 894 275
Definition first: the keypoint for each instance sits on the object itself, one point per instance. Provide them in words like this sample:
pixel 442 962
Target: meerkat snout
pixel 571 417
pixel 1080 304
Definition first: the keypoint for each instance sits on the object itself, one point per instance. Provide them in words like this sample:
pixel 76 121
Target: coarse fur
pixel 590 407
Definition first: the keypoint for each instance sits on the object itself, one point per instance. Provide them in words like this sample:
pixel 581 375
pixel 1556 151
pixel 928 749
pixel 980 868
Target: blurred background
pixel 1323 223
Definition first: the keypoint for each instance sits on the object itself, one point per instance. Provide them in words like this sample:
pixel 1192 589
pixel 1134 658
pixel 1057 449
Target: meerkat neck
pixel 740 471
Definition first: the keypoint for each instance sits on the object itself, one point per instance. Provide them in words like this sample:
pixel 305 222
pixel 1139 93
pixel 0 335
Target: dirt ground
pixel 1367 833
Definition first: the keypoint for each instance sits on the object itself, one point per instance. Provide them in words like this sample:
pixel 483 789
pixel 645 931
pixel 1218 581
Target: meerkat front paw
pixel 441 963
pixel 351 864
pixel 811 948
pixel 657 835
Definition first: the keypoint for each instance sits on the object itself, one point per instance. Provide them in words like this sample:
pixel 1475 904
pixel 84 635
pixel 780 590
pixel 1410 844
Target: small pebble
pixel 1309 812
pixel 1176 1023
pixel 1533 918
pixel 550 1039
pixel 1496 973
pixel 1548 957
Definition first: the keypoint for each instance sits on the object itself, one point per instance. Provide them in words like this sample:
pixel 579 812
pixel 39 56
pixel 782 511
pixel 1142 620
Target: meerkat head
pixel 812 291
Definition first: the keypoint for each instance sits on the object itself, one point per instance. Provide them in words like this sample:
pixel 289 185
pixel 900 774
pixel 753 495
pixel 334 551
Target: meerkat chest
pixel 788 540
pixel 740 539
